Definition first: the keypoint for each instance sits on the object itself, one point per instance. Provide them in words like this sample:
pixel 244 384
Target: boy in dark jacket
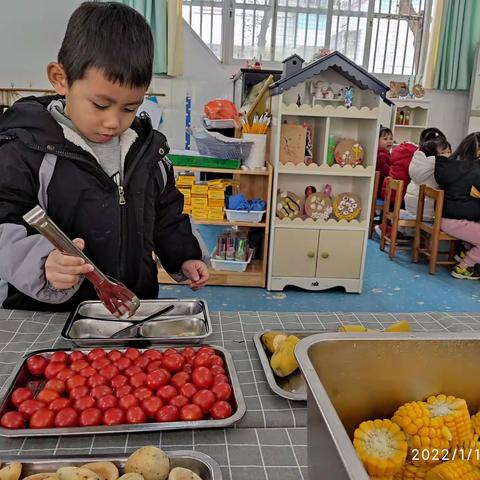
pixel 99 172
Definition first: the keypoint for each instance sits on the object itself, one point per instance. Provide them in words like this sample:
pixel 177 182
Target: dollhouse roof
pixel 342 65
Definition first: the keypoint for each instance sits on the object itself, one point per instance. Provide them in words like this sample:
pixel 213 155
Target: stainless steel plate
pixel 93 325
pixel 203 465
pixel 21 377
pixel 293 387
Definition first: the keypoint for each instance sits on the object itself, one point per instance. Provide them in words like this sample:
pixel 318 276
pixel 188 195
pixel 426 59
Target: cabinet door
pixel 295 252
pixel 340 254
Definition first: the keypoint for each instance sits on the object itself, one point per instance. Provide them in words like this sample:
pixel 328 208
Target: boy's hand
pixel 197 273
pixel 65 271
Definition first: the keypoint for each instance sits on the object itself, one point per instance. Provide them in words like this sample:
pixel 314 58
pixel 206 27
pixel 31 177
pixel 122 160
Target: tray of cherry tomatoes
pixel 94 391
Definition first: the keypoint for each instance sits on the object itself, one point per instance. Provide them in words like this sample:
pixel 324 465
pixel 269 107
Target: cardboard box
pixel 186 192
pixel 217 194
pixel 199 189
pixel 199 201
pixel 216 203
pixel 185 180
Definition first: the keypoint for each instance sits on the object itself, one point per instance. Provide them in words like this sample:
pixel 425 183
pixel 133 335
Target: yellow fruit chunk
pixel 355 328
pixel 402 326
pixel 272 340
pixel 283 361
pixel 453 470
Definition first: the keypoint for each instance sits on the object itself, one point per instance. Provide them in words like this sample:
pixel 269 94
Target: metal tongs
pixel 132 331
pixel 116 297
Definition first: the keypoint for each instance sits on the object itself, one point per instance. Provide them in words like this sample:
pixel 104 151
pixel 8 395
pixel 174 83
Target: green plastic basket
pixel 203 161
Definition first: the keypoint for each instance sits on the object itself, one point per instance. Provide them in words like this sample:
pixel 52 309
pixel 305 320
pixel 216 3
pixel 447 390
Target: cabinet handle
pixel 311 254
pixel 325 254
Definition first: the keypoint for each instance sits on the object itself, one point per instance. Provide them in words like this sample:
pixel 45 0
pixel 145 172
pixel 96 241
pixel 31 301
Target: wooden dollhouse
pixel 322 193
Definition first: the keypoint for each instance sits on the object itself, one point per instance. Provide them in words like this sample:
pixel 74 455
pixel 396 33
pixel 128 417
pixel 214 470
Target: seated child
pixel 385 142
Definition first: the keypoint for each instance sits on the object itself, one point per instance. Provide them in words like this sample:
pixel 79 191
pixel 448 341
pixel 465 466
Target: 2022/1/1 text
pixel 444 455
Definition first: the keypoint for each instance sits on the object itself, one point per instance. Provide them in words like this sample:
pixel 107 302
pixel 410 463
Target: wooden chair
pixel 393 217
pixel 431 232
pixel 377 203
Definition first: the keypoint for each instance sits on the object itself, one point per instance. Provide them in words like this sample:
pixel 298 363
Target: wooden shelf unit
pixel 253 184
pixel 419 111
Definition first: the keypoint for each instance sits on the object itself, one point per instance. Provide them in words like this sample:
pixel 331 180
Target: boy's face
pixel 99 108
pixel 386 141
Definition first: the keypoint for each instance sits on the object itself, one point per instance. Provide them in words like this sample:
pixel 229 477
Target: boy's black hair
pixel 384 131
pixel 112 37
pixel 430 134
pixel 467 150
pixel 431 147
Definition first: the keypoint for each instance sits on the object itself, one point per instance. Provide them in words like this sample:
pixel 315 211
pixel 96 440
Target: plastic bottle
pixel 332 143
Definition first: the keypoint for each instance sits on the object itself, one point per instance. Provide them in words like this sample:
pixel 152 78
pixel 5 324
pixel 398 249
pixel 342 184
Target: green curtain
pixel 155 12
pixel 460 33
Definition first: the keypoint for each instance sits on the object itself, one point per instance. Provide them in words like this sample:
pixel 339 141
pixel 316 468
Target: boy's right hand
pixel 65 271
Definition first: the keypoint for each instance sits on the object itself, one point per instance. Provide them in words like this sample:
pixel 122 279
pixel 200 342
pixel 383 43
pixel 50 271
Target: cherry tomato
pixel 29 407
pixel 169 351
pixel 65 374
pixel 142 393
pixel 55 384
pixel 122 391
pixel 59 357
pixel 151 406
pixel 180 379
pixel 179 401
pixel 48 396
pixel 100 391
pixel 128 401
pixel 76 381
pixel 173 362
pixel 202 377
pixel 37 364
pixel 207 350
pixel 153 354
pixel 79 392
pixel 155 365
pixel 188 353
pixel 90 417
pixel 132 353
pixel 221 410
pixel 42 418
pixel 21 394
pixel 114 355
pixel 135 415
pixel 168 413
pixel 157 378
pixel 83 403
pixel 53 369
pixel 187 368
pixel 123 363
pixel 113 416
pixel 217 370
pixel 191 412
pixel 96 380
pixel 201 360
pixel 87 372
pixel 13 420
pixel 59 403
pixel 106 402
pixel 166 393
pixel 216 360
pixel 204 399
pixel 76 355
pixel 220 379
pixel 132 370
pixel 109 371
pixel 78 365
pixel 95 354
pixel 66 417
pixel 188 390
pixel 142 362
pixel 118 381
pixel 101 362
pixel 223 391
pixel 138 380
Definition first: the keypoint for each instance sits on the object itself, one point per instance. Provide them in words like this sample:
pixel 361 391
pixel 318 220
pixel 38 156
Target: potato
pixel 105 470
pixel 42 476
pixel 74 473
pixel 180 473
pixel 150 462
pixel 131 476
pixel 11 472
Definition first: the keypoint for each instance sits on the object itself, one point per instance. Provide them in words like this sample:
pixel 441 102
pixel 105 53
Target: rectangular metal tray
pixel 356 377
pixel 200 463
pixel 21 376
pixel 293 387
pixel 91 324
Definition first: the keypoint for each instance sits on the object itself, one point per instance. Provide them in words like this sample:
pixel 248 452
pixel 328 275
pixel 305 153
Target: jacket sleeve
pixel 175 239
pixel 421 167
pixel 22 252
pixel 383 163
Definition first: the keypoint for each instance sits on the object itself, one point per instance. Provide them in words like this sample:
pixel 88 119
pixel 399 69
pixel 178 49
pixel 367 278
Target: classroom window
pixel 385 36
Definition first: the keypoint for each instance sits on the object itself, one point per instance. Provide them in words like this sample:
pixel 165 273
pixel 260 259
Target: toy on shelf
pixel 318 206
pixel 349 152
pixel 326 92
pixel 332 143
pixel 296 144
pixel 308 191
pixel 348 97
pixel 288 205
pixel 347 206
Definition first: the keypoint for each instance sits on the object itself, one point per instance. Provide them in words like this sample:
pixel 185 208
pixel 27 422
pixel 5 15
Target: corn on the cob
pixel 390 477
pixel 381 446
pixel 453 470
pixel 412 472
pixel 453 412
pixel 468 450
pixel 476 423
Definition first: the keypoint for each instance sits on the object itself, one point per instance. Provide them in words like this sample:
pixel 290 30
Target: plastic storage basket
pixel 254 216
pixel 230 265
